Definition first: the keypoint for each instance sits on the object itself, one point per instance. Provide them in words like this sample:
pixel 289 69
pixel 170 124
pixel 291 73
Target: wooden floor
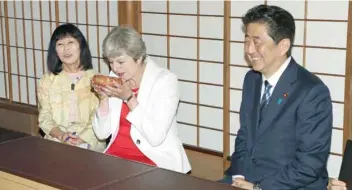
pixel 205 166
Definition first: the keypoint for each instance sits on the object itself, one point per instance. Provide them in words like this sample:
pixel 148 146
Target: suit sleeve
pixel 314 129
pixel 237 163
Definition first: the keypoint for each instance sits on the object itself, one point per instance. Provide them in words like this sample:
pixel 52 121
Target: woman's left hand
pixel 123 91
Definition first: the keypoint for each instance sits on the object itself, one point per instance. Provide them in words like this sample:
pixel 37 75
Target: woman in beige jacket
pixel 66 103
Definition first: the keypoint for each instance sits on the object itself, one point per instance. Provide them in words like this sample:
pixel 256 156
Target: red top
pixel 123 145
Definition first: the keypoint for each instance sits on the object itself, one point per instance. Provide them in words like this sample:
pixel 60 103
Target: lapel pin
pixel 279 101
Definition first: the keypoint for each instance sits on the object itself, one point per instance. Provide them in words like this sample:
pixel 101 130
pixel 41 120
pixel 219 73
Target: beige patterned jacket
pixel 54 93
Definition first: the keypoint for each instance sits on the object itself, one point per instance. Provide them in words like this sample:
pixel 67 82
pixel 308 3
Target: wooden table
pixel 42 164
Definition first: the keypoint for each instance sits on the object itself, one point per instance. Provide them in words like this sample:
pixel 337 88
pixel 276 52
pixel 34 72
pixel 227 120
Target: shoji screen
pixel 29 25
pixel 320 46
pixel 187 38
pixel 25 27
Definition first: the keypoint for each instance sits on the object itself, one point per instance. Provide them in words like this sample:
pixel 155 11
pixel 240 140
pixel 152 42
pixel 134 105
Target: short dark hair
pixel 280 23
pixel 54 64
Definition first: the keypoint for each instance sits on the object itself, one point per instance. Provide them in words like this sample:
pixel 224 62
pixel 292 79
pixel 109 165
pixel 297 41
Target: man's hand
pixel 335 184
pixel 242 183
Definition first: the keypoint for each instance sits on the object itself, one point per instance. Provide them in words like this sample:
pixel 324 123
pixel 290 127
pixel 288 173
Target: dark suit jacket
pixel 290 148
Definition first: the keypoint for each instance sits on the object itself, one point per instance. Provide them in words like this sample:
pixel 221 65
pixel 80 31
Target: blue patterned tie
pixel 265 99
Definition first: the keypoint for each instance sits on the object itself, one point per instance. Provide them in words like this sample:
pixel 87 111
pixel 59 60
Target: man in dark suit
pixel 286 111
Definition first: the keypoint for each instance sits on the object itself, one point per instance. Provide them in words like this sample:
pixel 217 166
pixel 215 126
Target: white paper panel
pixel 37 35
pixel 335 85
pixel 83 29
pixel 337 141
pixel 18 6
pixel 183 25
pixel 211 73
pixel 212 7
pixel 15 92
pixel 31 91
pixel 231 144
pixel 62 13
pixel 156 45
pixel 187 113
pixel 189 7
pixel 45 53
pixel 45 10
pixel 326 60
pixel 30 61
pixel 217 139
pixel 102 13
pixel 46 34
pixel 2 65
pixel 95 64
pixel 103 32
pixel 1 34
pixel 239 8
pixel 184 69
pixel 211 27
pixel 23 90
pixel 13 60
pixel 299 33
pixel 234 123
pixel 5 57
pixel 149 23
pixel 188 91
pixel 21 59
pixel 338 113
pixel 81 13
pixel 318 32
pixel 316 8
pixel 113 13
pixel 235 100
pixel 296 8
pixel 160 61
pixel 211 50
pixel 237 75
pixel 236 32
pixel 104 67
pixel 72 11
pixel 92 38
pixel 12 34
pixel 28 27
pixel 183 47
pixel 334 165
pixel 154 6
pixel 19 33
pixel 27 9
pixel 38 62
pixel 92 12
pixel 211 117
pixel 187 134
pixel 211 95
pixel 297 54
pixel 2 85
pixel 237 54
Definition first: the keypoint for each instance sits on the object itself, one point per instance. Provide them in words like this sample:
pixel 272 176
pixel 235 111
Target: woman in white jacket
pixel 140 114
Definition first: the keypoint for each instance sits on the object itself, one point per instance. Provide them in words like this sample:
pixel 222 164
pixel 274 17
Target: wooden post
pixel 347 125
pixel 129 13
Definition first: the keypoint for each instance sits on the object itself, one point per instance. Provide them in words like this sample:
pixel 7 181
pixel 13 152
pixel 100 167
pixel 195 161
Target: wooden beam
pixel 129 13
pixel 347 125
pixel 226 84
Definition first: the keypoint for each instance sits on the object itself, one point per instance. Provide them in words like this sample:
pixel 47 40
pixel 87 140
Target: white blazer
pixel 153 121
